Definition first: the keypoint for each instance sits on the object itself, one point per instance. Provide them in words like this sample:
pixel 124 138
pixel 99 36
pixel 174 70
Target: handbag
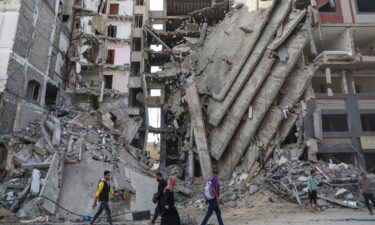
pixel 155 198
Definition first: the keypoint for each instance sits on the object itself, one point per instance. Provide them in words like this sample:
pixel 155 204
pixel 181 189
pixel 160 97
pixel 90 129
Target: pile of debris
pixel 36 155
pixel 337 183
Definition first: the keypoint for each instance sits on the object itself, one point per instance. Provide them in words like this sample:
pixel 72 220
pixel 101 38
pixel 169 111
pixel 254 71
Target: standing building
pixel 340 120
pixel 34 39
pixel 100 53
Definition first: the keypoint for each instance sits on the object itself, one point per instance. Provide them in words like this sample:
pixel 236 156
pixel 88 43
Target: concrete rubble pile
pixel 37 155
pixel 337 183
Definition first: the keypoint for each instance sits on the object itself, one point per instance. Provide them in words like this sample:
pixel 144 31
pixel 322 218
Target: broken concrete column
pixel 199 128
pixel 51 188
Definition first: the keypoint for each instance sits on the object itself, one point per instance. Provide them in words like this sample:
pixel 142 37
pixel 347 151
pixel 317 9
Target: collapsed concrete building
pixel 188 84
pixel 274 92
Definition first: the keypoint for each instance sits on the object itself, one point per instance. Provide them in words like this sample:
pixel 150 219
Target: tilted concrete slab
pixel 226 46
pixel 252 154
pixel 217 108
pixel 262 102
pixel 198 125
pixel 292 90
pixel 293 20
pixel 260 23
pixel 220 137
pixel 52 186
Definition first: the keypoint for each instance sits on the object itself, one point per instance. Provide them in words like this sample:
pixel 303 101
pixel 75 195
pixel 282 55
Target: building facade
pixel 34 39
pixel 340 115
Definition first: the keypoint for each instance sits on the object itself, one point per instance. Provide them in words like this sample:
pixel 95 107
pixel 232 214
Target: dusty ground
pixel 275 214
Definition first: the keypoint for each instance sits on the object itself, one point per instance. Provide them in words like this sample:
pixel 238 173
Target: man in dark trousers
pixel 160 195
pixel 212 195
pixel 366 189
pixel 102 194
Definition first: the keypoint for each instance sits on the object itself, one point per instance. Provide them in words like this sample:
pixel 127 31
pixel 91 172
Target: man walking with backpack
pixel 212 196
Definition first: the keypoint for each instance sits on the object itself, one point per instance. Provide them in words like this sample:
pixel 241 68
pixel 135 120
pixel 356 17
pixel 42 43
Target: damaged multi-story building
pixel 335 112
pixel 34 40
pixel 100 53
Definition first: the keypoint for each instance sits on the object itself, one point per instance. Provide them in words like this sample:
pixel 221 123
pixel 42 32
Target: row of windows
pixel 361 85
pixel 339 122
pixel 362 6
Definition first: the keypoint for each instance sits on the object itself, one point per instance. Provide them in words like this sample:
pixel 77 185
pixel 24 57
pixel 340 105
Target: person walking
pixel 366 189
pixel 159 196
pixel 312 189
pixel 102 194
pixel 212 197
pixel 170 214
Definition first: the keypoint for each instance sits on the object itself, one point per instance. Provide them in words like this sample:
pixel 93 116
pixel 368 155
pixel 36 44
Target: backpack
pixel 208 194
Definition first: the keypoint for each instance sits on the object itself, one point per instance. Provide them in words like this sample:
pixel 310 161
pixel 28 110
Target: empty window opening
pixel 335 122
pixel 328 7
pixel 153 147
pixel 137 44
pixel 3 158
pixel 156 5
pixel 364 84
pixel 368 122
pixel 320 85
pixel 114 9
pixel 108 80
pixel 77 24
pixel 157 26
pixel 155 69
pixel 370 162
pixel 111 57
pixel 32 92
pixel 65 18
pixel 291 138
pixel 365 6
pixel 156 48
pixel 155 92
pixel 112 31
pixel 51 94
pixel 154 117
pixel 139 2
pixel 138 21
pixel 136 68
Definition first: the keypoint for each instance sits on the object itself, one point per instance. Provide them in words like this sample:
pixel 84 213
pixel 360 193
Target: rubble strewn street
pixel 263 109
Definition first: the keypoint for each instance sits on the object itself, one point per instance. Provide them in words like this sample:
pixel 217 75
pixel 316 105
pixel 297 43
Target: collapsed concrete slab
pixel 218 108
pixel 216 62
pixel 199 130
pixel 292 89
pixel 52 186
pixel 220 137
pixel 237 68
pixel 263 100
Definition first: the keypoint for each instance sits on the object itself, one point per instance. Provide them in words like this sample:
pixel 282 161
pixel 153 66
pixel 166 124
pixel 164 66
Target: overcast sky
pixel 156 5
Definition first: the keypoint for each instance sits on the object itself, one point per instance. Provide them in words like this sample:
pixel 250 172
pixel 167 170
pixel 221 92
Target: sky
pixel 156 5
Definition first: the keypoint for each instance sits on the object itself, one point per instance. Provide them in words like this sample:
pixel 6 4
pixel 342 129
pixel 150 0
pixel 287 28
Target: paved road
pixel 265 217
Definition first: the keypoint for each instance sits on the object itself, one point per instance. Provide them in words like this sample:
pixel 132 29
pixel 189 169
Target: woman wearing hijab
pixel 170 215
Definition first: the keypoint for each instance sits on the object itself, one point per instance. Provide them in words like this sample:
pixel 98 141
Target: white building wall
pixel 91 5
pixel 124 29
pixel 125 7
pixel 9 14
